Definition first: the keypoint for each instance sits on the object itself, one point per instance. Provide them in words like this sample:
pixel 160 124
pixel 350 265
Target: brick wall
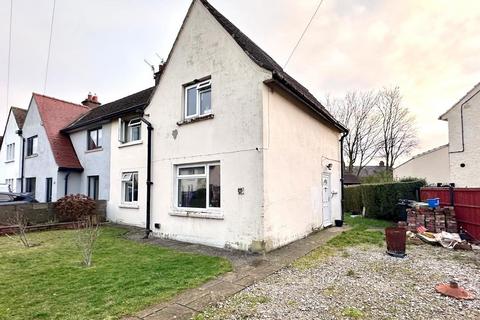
pixel 40 213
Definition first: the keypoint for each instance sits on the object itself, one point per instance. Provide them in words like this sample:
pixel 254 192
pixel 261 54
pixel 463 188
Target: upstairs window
pixel 32 146
pixel 198 99
pixel 94 139
pixel 11 152
pixel 130 131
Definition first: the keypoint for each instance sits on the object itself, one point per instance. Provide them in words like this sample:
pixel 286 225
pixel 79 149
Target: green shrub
pixel 380 199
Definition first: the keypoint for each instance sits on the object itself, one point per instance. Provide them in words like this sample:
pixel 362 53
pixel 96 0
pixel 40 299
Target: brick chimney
pixel 91 101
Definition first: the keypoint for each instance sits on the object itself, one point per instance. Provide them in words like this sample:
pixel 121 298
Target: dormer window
pixel 198 99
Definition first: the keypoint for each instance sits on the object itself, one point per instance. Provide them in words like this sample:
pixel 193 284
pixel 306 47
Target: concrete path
pixel 247 269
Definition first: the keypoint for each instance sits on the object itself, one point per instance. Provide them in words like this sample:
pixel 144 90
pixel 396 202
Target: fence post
pixel 452 196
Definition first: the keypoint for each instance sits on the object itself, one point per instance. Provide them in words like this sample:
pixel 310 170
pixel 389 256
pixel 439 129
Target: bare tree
pixel 398 132
pixel 20 222
pixel 88 231
pixel 358 112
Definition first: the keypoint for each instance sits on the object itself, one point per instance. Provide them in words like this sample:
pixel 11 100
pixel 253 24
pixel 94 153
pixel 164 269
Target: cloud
pixel 427 47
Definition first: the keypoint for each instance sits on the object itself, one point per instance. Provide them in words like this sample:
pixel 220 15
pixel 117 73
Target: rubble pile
pixel 433 219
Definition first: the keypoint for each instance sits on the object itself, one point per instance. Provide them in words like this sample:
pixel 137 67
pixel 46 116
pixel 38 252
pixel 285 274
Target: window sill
pixel 9 161
pixel 196 119
pixel 94 150
pixel 31 156
pixel 131 143
pixel 129 206
pixel 215 215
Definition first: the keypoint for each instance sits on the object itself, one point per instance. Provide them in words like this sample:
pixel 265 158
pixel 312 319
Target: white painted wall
pixel 231 138
pixel 433 166
pixel 95 162
pixel 465 176
pixel 43 164
pixel 298 147
pixel 11 169
pixel 127 158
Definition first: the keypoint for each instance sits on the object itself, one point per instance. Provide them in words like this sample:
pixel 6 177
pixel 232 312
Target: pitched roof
pixel 262 59
pixel 20 115
pixel 113 109
pixel 56 114
pixel 471 93
pixel 350 179
pixel 1 140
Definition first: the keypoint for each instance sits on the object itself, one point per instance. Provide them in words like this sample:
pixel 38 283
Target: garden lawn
pixel 48 282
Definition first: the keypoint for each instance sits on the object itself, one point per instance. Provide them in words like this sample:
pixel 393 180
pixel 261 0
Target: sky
pixel 429 48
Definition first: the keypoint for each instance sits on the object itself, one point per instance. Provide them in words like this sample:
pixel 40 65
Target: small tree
pixel 81 209
pixel 20 222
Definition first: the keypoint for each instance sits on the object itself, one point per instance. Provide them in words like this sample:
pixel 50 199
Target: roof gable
pixel 56 114
pixel 471 93
pixel 20 115
pixel 262 59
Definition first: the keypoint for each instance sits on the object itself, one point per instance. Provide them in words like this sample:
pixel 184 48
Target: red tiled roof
pixel 55 115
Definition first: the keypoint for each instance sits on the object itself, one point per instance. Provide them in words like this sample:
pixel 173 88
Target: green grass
pixel 48 281
pixel 357 235
pixel 352 313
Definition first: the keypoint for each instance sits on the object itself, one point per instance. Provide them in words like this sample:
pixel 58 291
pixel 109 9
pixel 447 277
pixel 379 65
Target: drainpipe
pixel 22 171
pixel 149 176
pixel 342 169
pixel 66 183
pixel 461 124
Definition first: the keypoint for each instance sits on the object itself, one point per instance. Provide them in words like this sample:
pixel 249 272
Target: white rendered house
pixel 11 151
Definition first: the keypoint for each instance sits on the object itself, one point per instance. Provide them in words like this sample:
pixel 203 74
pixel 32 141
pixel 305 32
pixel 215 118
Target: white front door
pixel 327 199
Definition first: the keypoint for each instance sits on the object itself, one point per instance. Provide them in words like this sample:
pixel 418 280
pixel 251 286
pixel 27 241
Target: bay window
pixel 198 186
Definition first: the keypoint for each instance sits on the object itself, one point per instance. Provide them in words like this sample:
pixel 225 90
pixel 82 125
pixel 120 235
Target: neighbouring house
pixel 464 141
pixel 51 166
pixel 371 170
pixel 225 150
pixel 432 165
pixel 11 151
pixel 244 156
pixel 126 154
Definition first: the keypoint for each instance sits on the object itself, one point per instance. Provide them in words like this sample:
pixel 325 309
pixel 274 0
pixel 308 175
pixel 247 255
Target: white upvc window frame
pixel 200 87
pixel 206 175
pixel 125 130
pixel 10 152
pixel 124 180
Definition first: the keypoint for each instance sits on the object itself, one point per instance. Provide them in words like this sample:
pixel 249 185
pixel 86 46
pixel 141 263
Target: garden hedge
pixel 380 199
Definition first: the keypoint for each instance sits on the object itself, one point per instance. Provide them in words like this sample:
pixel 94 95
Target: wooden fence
pixel 466 202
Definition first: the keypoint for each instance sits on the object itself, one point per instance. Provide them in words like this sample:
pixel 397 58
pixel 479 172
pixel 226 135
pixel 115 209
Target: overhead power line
pixel 303 33
pixel 9 53
pixel 49 47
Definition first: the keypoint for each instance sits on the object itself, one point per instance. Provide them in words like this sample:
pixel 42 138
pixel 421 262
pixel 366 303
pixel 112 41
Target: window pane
pixel 92 139
pixel 191 101
pixel 34 145
pixel 214 186
pixel 127 189
pixel 191 171
pixel 135 187
pixel 205 101
pixel 192 193
pixel 135 132
pixel 99 138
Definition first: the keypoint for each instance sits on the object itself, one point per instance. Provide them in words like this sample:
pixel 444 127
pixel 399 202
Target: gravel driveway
pixel 362 282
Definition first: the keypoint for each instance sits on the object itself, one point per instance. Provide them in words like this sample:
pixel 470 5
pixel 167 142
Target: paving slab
pixel 247 269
